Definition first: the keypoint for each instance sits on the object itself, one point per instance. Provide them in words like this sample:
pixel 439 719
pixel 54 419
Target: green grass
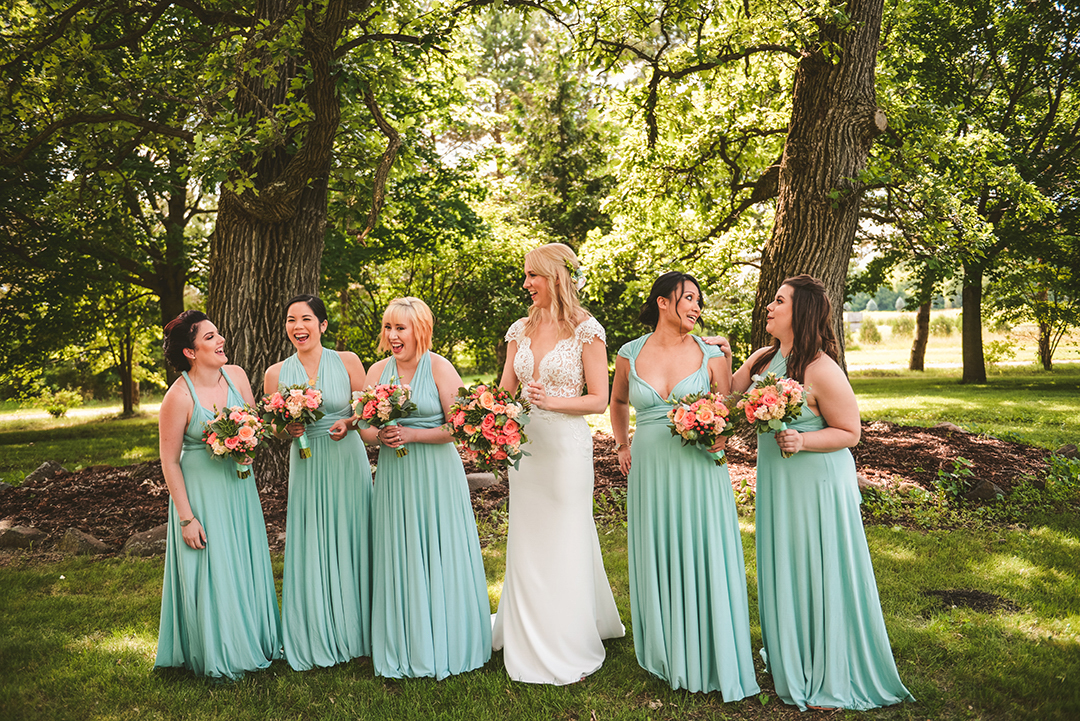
pixel 1022 404
pixel 78 639
pixel 75 443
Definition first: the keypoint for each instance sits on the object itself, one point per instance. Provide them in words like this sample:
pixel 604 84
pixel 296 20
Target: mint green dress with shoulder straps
pixel 430 610
pixel 326 593
pixel 219 608
pixel 688 599
pixel 821 622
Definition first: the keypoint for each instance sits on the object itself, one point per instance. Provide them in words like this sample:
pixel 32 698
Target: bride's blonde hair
pixel 553 262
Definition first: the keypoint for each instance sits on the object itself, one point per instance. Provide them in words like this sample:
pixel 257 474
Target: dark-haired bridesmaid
pixel 326 594
pixel 219 610
pixel 821 622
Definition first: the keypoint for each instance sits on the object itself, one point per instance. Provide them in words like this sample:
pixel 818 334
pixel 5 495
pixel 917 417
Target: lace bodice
pixel 561 370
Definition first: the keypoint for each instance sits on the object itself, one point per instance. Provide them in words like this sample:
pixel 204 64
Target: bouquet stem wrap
pixel 402 451
pixel 305 445
pixel 243 470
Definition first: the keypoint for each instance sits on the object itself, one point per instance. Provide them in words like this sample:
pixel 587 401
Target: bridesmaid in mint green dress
pixel 688 597
pixel 430 610
pixel 821 622
pixel 326 594
pixel 219 611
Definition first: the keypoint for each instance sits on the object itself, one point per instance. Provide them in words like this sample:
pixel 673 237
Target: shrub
pixel 57 404
pixel 868 331
pixel 904 326
pixel 941 325
pixel 996 351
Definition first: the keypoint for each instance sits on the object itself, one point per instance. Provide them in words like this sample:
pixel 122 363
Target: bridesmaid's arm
pixel 720 374
pixel 741 381
pixel 176 409
pixel 594 361
pixel 270 385
pixel 835 402
pixel 370 435
pixel 620 412
pixel 355 370
pixel 509 380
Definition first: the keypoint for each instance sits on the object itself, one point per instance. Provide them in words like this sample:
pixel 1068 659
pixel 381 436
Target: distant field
pixel 945 350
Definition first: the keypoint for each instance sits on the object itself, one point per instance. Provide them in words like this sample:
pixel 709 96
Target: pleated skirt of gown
pixel 326 593
pixel 430 608
pixel 687 573
pixel 219 607
pixel 556 605
pixel 825 642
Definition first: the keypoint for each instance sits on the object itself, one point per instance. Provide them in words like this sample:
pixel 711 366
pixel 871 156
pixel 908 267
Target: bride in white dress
pixel 556 604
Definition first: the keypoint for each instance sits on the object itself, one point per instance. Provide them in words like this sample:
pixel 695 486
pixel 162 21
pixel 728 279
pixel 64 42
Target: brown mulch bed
pixel 111 503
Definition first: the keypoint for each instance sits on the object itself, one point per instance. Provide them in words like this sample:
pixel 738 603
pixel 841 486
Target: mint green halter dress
pixel 430 610
pixel 326 594
pixel 688 599
pixel 821 623
pixel 219 609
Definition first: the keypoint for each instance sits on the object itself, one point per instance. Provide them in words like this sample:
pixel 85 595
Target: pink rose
pixel 502 440
pixel 705 415
pixel 369 409
pixel 246 433
pixel 459 418
pixel 690 418
pixel 487 401
pixel 499 408
pixel 488 422
pixel 469 429
pixel 488 433
pixel 680 413
pixel 232 442
pixel 499 455
pixel 510 426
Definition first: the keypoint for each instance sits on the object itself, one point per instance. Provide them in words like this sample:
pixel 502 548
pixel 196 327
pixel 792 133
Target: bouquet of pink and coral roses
pixel 382 405
pixel 487 423
pixel 236 432
pixel 772 403
pixel 701 419
pixel 293 404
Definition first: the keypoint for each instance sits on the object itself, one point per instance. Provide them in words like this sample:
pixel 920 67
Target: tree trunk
pixel 1046 346
pixel 267 245
pixel 922 334
pixel 834 121
pixel 126 369
pixel 172 271
pixel 972 342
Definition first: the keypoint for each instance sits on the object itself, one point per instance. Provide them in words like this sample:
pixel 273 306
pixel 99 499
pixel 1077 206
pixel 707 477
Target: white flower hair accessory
pixel 577 275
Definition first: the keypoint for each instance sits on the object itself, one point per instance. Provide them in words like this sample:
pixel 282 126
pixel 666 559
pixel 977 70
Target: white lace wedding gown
pixel 556 603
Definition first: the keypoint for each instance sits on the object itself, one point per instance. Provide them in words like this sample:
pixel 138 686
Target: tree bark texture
pixel 971 343
pixel 1046 346
pixel 834 121
pixel 267 244
pixel 917 362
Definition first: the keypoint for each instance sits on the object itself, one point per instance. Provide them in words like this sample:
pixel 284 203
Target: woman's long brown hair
pixel 811 324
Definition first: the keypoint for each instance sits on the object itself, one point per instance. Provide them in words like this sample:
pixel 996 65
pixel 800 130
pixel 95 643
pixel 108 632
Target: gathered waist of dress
pixel 653 416
pixel 322 426
pixel 197 446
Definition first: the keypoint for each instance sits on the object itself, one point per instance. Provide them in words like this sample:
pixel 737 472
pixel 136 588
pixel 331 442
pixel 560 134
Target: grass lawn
pixel 75 443
pixel 79 636
pixel 1021 404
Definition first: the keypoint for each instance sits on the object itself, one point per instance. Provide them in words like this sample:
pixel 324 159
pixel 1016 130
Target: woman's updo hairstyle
pixel 179 336
pixel 313 302
pixel 669 285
